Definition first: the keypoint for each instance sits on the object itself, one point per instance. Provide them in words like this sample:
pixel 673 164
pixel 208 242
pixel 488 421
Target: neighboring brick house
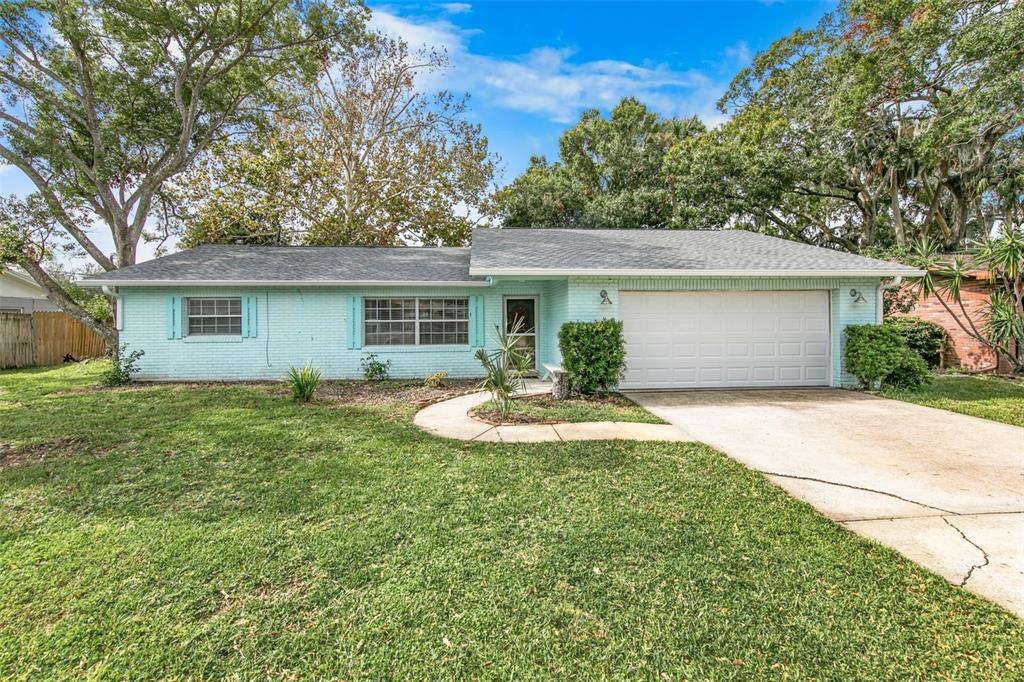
pixel 964 351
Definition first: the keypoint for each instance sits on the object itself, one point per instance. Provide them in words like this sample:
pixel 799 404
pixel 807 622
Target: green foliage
pixel 374 369
pixel 925 338
pixel 122 366
pixel 873 352
pixel 910 373
pixel 593 354
pixel 1001 260
pixel 303 382
pixel 902 299
pixel 505 366
pixel 109 112
pixel 417 170
pixel 141 528
pixel 436 380
pixel 609 174
pixel 985 396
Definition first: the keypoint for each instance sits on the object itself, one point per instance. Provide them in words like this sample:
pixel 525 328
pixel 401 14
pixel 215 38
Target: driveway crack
pixel 984 554
pixel 857 487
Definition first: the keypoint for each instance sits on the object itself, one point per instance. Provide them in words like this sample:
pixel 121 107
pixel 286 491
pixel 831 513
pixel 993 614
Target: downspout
pixel 113 294
pixel 879 302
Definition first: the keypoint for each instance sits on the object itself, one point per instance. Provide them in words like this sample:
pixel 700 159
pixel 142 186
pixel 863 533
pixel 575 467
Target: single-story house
pixel 19 293
pixel 701 309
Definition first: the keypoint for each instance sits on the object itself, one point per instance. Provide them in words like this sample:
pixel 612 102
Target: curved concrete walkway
pixel 450 419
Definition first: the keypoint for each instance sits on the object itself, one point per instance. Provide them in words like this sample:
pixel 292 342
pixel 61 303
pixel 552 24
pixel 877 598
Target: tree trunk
pixel 56 294
pixel 897 213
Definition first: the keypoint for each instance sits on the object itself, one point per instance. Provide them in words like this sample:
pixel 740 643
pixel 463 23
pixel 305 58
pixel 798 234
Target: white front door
pixel 725 339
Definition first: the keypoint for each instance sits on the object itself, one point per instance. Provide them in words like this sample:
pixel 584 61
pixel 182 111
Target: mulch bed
pixel 382 392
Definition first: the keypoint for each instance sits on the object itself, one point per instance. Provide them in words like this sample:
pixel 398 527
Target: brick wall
pixel 964 351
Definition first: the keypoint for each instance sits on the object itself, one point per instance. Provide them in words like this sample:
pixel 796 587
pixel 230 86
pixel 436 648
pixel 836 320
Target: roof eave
pixel 642 272
pixel 96 283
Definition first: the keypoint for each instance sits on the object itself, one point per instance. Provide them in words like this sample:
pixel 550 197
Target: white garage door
pixel 725 339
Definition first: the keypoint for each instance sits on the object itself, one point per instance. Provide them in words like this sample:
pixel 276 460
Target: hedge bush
pixel 911 372
pixel 925 338
pixel 879 355
pixel 872 352
pixel 593 354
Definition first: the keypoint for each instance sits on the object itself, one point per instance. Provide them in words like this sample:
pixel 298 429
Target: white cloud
pixel 547 81
pixel 456 7
pixel 740 52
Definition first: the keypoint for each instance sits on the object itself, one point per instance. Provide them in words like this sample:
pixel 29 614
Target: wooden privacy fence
pixel 44 339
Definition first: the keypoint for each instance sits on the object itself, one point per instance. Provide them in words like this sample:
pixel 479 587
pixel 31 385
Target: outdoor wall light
pixel 604 297
pixel 857 296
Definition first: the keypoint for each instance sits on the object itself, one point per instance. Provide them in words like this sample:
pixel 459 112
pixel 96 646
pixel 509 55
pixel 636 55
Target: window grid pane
pixel 214 316
pixel 411 321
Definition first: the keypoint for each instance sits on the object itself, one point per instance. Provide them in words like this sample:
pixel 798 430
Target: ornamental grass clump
pixel 303 382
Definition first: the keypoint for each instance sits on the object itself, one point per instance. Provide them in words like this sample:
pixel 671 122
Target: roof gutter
pixel 637 272
pixel 274 283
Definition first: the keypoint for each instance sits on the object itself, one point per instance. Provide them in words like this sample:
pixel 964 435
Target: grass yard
pixel 1000 400
pixel 600 408
pixel 221 531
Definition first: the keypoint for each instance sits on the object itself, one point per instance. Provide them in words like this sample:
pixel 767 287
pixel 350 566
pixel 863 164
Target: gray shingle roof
pixel 504 251
pixel 539 251
pixel 313 264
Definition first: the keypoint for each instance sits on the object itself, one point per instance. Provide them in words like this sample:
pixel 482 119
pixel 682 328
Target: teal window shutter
pixel 354 322
pixel 357 321
pixel 175 314
pixel 249 325
pixel 245 317
pixel 477 334
pixel 254 326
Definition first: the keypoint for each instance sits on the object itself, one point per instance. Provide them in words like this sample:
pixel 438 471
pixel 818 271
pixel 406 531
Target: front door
pixel 525 309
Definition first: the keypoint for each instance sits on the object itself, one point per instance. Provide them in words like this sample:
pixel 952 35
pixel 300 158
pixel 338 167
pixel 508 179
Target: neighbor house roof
pixel 512 252
pixel 525 252
pixel 308 265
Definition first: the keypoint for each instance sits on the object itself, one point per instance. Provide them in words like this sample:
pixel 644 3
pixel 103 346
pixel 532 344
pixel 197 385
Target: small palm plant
pixel 505 366
pixel 304 382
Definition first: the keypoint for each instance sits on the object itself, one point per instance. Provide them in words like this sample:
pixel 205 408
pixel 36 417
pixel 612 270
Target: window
pixel 415 321
pixel 208 316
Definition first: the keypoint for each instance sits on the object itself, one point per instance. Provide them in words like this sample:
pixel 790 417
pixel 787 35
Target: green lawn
pixel 210 532
pixel 1000 400
pixel 601 408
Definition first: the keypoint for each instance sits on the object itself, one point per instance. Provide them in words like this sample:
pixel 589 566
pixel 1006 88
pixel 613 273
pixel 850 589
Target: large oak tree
pixel 105 101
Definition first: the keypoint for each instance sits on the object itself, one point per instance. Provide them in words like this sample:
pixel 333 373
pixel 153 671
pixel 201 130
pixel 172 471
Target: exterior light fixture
pixel 604 297
pixel 857 296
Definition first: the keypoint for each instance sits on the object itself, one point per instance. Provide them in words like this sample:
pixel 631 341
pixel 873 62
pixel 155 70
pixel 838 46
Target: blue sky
pixel 530 67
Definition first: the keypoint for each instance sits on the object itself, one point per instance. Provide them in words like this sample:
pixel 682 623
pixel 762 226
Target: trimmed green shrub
pixel 873 351
pixel 593 354
pixel 925 338
pixel 910 373
pixel 304 382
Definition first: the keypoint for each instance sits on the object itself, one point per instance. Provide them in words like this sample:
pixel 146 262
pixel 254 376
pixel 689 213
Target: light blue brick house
pixel 700 309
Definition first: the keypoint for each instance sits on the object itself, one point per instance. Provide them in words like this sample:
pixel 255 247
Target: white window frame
pixel 188 315
pixel 416 320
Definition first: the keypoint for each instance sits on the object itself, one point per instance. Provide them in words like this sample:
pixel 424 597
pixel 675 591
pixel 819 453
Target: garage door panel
pixel 725 339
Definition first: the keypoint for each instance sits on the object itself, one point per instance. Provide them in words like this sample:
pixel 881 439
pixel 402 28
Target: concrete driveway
pixel 946 490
